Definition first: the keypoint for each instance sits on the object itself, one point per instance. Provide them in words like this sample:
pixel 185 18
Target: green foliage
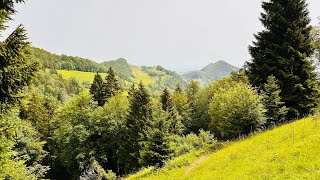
pixel 110 128
pixel 282 50
pixel 73 128
pixel 21 150
pixel 201 118
pixel 174 119
pixel 155 149
pixel 39 110
pixel 16 70
pixel 121 68
pixel 111 86
pixel 45 58
pixel 181 104
pixel 276 110
pixel 97 90
pixel 140 114
pixel 184 144
pixel 54 85
pixel 290 151
pixel 235 112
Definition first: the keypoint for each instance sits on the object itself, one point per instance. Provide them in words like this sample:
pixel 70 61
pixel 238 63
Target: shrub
pixel 184 144
pixel 235 112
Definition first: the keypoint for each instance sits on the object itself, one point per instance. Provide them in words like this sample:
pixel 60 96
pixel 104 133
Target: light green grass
pixel 140 75
pixel 79 75
pixel 290 151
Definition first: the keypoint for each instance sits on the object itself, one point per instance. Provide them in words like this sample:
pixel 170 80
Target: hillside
pixel 211 72
pixel 158 76
pixel 287 152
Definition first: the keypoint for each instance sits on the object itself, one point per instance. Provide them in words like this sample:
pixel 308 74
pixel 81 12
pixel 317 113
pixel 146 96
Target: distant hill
pixel 155 77
pixel 121 68
pixel 212 72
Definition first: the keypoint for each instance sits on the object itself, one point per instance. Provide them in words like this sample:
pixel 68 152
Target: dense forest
pixel 52 127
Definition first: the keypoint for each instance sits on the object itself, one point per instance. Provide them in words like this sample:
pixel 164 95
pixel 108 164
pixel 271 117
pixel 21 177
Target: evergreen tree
pixel 178 89
pixel 97 90
pixel 191 90
pixel 131 90
pixel 156 147
pixel 16 69
pixel 166 99
pixel 181 103
pixel 138 120
pixel 173 116
pixel 111 86
pixel 283 49
pixel 276 110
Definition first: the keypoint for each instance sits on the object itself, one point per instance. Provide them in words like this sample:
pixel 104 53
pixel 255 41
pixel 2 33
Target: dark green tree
pixel 276 110
pixel 283 50
pixel 97 90
pixel 191 91
pixel 131 90
pixel 111 86
pixel 140 114
pixel 181 103
pixel 16 69
pixel 166 100
pixel 174 118
pixel 155 149
pixel 178 89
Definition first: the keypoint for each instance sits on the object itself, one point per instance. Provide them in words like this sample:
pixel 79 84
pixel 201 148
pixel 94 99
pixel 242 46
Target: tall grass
pixel 290 151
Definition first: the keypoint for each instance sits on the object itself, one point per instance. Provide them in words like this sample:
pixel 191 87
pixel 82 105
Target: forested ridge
pixel 129 118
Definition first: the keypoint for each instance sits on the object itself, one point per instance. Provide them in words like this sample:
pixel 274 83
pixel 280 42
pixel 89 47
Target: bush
pixel 235 112
pixel 184 144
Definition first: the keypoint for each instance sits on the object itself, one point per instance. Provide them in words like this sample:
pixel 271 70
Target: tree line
pixel 60 129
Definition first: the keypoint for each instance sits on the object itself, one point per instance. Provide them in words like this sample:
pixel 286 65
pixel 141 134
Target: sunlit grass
pixel 79 75
pixel 287 152
pixel 140 75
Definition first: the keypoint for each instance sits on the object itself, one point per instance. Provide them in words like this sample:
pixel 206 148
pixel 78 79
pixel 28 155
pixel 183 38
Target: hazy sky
pixel 178 34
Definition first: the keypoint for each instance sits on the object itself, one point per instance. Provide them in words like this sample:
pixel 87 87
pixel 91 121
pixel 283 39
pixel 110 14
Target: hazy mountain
pixel 211 72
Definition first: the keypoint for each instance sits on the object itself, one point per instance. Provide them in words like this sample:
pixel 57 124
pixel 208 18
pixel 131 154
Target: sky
pixel 180 35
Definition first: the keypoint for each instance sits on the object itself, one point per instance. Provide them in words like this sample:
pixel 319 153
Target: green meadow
pixel 290 151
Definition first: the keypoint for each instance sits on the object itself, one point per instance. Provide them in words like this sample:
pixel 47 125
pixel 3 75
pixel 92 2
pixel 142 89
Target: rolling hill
pixel 290 151
pixel 211 72
pixel 155 77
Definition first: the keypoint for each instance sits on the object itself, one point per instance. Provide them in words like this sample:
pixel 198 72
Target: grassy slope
pixel 287 152
pixel 140 75
pixel 80 75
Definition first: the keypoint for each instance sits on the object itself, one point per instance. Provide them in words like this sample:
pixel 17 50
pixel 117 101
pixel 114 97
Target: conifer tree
pixel 166 99
pixel 282 50
pixel 140 114
pixel 131 90
pixel 155 149
pixel 97 90
pixel 191 90
pixel 181 103
pixel 16 69
pixel 276 110
pixel 111 86
pixel 174 118
pixel 178 89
